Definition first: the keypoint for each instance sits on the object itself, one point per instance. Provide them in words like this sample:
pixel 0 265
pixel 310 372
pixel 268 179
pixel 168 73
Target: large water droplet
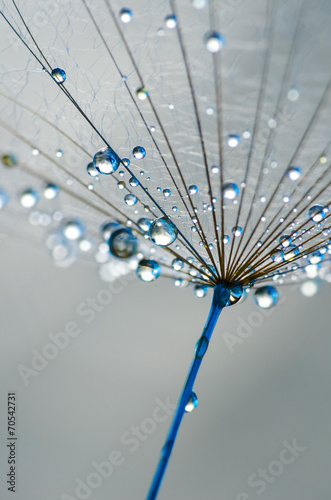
pixel 29 198
pixel 130 199
pixel 123 243
pixel 106 161
pixel 266 297
pixel 192 403
pixel 51 191
pixel 59 75
pixel 163 232
pixel 73 230
pixel 126 15
pixel 139 152
pixel 214 41
pixel 317 213
pixel 294 173
pixel 230 190
pixel 148 270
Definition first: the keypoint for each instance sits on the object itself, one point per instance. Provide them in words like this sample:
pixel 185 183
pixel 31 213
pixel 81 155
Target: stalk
pixel 220 298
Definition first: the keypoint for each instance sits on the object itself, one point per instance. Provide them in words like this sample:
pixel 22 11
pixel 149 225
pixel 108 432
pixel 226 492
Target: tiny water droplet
pixel 130 199
pixel 177 264
pixel 126 15
pixel 293 95
pixel 123 243
pixel 144 224
pixel 106 161
pixel 166 193
pixel 133 182
pixel 230 190
pixel 51 191
pixel 126 162
pixel 142 93
pixel 139 152
pixel 193 189
pixel 73 230
pixel 59 75
pixel 233 140
pixel 294 173
pixel 237 231
pixel 91 170
pixel 214 41
pixel 29 198
pixel 215 169
pixel 121 184
pixel 148 270
pixel 266 297
pixel 192 403
pixel 226 239
pixel 171 21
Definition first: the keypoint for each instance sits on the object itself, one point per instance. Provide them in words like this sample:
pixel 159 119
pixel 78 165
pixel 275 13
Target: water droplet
pixel 317 213
pixel 107 229
pixel 166 193
pixel 192 403
pixel 142 93
pixel 130 199
pixel 200 291
pixel 285 240
pixel 144 224
pixel 29 198
pixel 59 75
pixel 91 170
pixel 171 21
pixel 226 239
pixel 215 169
pixel 294 173
pixel 123 243
pixel 246 134
pixel 139 152
pixel 214 42
pixel 310 288
pixel 237 231
pixel 9 160
pixel 35 152
pixel 126 162
pixel 266 297
pixel 233 140
pixel 177 264
pixel 230 190
pixel 126 15
pixel 121 184
pixel 193 189
pixel 293 95
pixel 291 252
pixel 106 161
pixel 51 191
pixel 148 270
pixel 163 232
pixel 4 198
pixel 236 293
pixel 277 256
pixel 59 153
pixel 133 182
pixel 73 230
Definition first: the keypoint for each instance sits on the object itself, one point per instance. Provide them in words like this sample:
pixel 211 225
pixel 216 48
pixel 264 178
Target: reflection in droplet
pixel 148 270
pixel 130 199
pixel 123 243
pixel 139 152
pixel 106 161
pixel 59 75
pixel 177 264
pixel 144 224
pixel 91 170
pixel 163 232
pixel 266 297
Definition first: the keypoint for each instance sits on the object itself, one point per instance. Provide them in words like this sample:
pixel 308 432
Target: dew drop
pixel 59 75
pixel 214 41
pixel 285 240
pixel 200 291
pixel 126 162
pixel 294 173
pixel 121 184
pixel 230 190
pixel 148 270
pixel 192 403
pixel 171 21
pixel 133 182
pixel 237 231
pixel 126 15
pixel 130 199
pixel 266 297
pixel 29 198
pixel 144 224
pixel 163 232
pixel 236 293
pixel 233 140
pixel 73 230
pixel 106 161
pixel 166 193
pixel 215 169
pixel 123 243
pixel 177 264
pixel 317 213
pixel 142 93
pixel 139 152
pixel 51 191
pixel 91 170
pixel 277 256
pixel 226 239
pixel 293 95
pixel 193 189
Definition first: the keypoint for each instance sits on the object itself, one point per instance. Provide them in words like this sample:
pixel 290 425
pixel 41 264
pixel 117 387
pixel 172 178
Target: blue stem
pixel 220 298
